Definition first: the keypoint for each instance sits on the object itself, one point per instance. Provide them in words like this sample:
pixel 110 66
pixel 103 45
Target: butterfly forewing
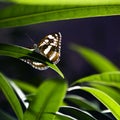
pixel 50 47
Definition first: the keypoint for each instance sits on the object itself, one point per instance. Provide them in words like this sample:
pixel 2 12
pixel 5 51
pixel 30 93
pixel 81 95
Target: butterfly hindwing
pixel 50 47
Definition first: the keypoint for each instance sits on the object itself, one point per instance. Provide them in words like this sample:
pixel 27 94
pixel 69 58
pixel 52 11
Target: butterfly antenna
pixel 30 38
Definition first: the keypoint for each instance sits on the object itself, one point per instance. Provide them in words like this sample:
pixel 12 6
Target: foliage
pixel 25 14
pixel 49 101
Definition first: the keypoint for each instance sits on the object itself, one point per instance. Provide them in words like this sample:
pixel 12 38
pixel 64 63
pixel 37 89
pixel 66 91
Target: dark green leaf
pixel 11 96
pixel 81 102
pixel 47 100
pixel 101 116
pixel 77 113
pixel 19 15
pixel 61 116
pixel 98 61
pixel 20 52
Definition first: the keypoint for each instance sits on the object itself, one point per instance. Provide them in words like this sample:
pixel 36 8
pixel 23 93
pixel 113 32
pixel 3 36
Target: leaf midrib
pixel 58 10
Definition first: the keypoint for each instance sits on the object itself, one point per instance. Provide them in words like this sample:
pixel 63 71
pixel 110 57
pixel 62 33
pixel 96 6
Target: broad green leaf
pixel 20 15
pixel 112 105
pixel 21 52
pixel 77 113
pixel 108 78
pixel 47 100
pixel 11 96
pixel 5 116
pixel 65 2
pixel 99 62
pixel 82 102
pixel 108 90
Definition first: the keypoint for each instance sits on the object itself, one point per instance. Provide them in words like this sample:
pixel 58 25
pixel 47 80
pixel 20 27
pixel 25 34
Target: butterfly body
pixel 50 47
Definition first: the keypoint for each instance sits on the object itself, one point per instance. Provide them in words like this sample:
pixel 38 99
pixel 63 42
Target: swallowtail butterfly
pixel 50 47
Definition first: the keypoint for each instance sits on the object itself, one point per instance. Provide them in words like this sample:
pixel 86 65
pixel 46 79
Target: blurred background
pixel 101 34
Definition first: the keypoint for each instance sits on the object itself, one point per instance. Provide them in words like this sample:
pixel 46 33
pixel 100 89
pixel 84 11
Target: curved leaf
pixel 106 100
pixel 93 58
pixel 20 94
pixel 21 52
pixel 60 116
pixel 108 78
pixel 47 100
pixel 19 15
pixel 109 91
pixel 76 113
pixel 81 102
pixel 101 116
pixel 11 96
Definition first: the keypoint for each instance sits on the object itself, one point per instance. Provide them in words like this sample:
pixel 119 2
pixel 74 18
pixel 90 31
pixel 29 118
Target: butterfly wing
pixel 50 47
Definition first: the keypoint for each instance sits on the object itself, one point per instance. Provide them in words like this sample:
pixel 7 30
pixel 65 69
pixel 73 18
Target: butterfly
pixel 49 47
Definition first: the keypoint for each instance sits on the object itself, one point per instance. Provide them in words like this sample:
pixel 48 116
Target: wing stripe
pixel 50 47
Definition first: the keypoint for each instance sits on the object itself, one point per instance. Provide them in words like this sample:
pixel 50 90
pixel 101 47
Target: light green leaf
pixel 20 15
pixel 11 96
pixel 47 100
pixel 108 78
pixel 99 62
pixel 106 100
pixel 65 2
pixel 21 52
pixel 115 94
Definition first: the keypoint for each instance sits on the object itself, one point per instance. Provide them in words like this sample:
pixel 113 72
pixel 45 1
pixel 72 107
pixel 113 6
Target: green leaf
pixel 65 2
pixel 108 78
pixel 11 96
pixel 26 86
pixel 47 100
pixel 99 62
pixel 19 15
pixel 106 100
pixel 81 102
pixel 77 113
pixel 115 94
pixel 20 94
pixel 21 52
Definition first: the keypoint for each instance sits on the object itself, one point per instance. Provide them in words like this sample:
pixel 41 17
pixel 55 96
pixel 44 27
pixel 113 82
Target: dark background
pixel 101 34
